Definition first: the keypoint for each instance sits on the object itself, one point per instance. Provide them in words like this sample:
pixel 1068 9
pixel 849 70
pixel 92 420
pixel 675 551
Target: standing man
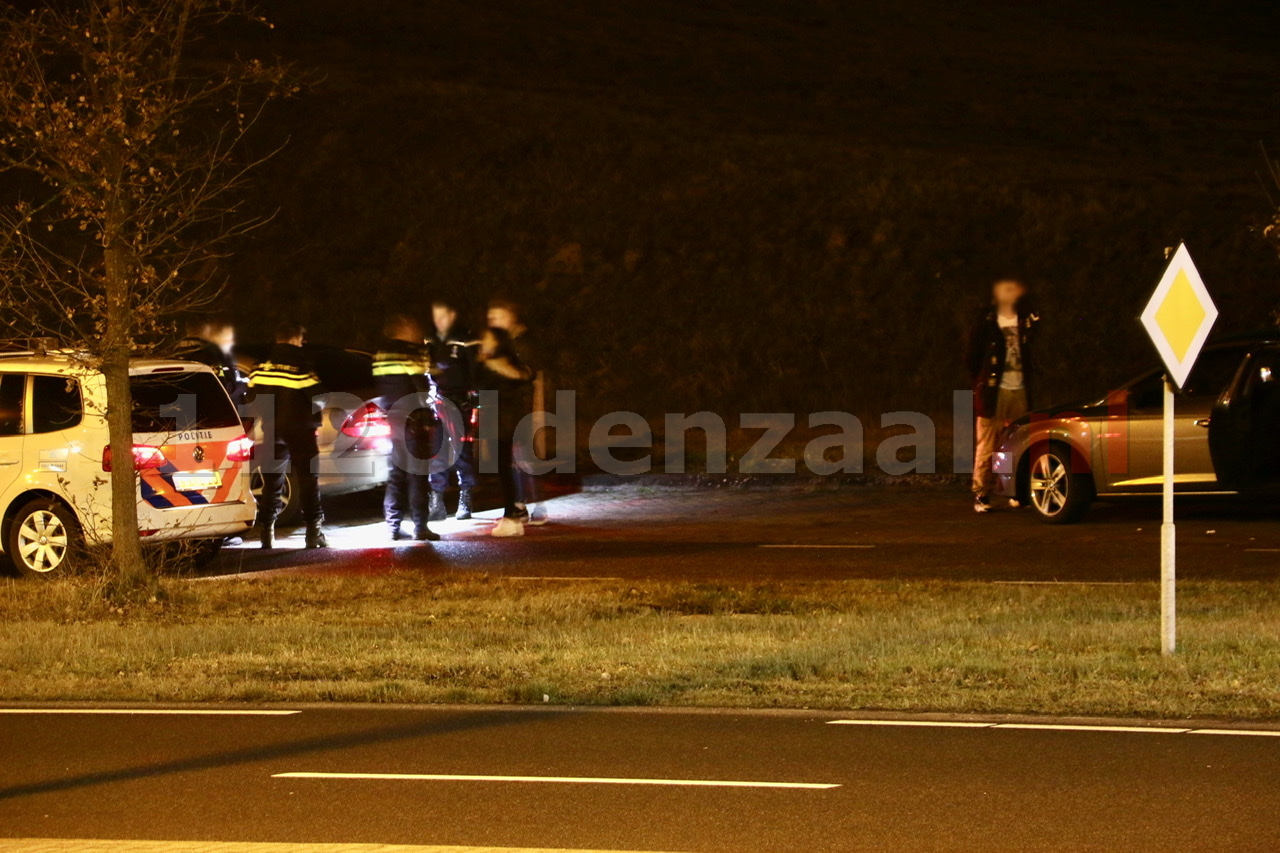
pixel 210 341
pixel 453 357
pixel 502 380
pixel 402 373
pixel 999 362
pixel 283 389
pixel 505 315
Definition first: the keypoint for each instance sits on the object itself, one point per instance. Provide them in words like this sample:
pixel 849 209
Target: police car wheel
pixel 43 538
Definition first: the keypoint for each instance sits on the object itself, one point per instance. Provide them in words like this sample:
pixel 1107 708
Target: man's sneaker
pixel 1014 503
pixel 507 527
pixel 436 510
pixel 522 514
pixel 981 503
pixel 537 515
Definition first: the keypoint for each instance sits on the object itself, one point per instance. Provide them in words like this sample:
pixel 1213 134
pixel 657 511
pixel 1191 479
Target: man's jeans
pixel 1010 405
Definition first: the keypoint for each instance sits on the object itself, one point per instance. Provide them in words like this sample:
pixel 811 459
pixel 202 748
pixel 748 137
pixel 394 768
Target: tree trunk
pixel 132 577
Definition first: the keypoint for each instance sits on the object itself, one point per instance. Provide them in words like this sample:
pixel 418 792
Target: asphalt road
pixel 884 532
pixel 618 780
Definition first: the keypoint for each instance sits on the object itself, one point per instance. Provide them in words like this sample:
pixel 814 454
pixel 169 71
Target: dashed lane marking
pixel 1056 727
pixel 78 845
pixel 562 780
pixel 178 712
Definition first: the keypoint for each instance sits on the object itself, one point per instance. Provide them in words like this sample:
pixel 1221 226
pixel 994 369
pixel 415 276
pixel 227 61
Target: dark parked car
pixel 1227 436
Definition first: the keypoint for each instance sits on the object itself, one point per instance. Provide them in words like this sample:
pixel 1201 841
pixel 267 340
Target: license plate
pixel 196 481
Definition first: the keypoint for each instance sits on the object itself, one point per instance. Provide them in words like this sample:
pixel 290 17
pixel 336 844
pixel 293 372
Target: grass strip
pixel 889 645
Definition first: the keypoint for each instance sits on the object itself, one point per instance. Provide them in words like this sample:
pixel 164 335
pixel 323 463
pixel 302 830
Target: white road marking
pixel 566 780
pixel 818 547
pixel 1055 727
pixel 98 845
pixel 935 724
pixel 191 712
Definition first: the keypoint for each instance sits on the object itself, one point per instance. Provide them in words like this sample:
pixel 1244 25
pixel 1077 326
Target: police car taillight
pixel 144 456
pixel 240 449
pixel 369 421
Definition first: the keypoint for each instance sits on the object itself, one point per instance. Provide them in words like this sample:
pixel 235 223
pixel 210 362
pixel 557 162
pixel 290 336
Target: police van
pixel 190 457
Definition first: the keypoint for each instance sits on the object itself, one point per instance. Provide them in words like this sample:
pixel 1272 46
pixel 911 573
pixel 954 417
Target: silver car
pixel 354 441
pixel 1227 436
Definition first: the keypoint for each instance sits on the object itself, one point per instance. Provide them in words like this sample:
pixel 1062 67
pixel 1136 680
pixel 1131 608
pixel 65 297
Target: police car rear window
pixel 165 402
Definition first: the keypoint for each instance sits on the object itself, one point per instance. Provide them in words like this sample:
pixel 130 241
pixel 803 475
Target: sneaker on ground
pixel 537 515
pixel 507 527
pixel 981 503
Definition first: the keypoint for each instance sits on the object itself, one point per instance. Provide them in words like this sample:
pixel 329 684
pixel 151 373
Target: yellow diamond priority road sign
pixel 1179 316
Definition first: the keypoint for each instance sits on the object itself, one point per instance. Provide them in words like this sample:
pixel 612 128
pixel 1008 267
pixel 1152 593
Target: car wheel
pixel 43 538
pixel 290 512
pixel 1058 495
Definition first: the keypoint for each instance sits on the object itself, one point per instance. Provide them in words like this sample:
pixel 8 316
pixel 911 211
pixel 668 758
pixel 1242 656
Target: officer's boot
pixel 266 525
pixel 464 505
pixel 424 533
pixel 315 536
pixel 435 508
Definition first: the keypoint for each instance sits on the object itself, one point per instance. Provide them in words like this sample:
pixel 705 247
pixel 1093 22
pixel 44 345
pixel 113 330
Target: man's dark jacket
pixel 454 360
pixel 199 350
pixel 988 351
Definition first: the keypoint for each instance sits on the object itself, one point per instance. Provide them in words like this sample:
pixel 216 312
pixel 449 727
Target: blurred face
pixel 224 338
pixel 501 318
pixel 1007 293
pixel 443 317
pixel 488 344
pixel 411 331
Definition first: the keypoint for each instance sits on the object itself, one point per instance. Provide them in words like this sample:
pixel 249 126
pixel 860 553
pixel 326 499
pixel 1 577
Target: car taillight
pixel 144 456
pixel 369 421
pixel 240 449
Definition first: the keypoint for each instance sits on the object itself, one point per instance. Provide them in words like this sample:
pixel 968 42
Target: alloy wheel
pixel 1049 476
pixel 43 541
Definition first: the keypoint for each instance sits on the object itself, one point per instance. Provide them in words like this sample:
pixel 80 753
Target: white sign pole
pixel 1168 536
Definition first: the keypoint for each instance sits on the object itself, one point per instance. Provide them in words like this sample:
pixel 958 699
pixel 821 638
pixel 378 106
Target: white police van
pixel 190 457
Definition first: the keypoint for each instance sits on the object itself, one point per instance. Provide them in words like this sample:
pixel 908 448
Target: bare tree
pixel 123 154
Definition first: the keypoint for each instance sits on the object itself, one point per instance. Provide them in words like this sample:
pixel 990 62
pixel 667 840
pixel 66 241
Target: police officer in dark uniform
pixel 210 341
pixel 282 388
pixel 453 354
pixel 402 373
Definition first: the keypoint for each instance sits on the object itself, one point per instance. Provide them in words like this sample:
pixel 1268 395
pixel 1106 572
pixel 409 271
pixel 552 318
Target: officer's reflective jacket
pixel 402 369
pixel 287 377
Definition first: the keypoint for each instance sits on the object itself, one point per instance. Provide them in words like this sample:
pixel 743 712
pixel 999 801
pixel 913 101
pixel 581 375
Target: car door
pixel 13 398
pixel 1244 429
pixel 1194 470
